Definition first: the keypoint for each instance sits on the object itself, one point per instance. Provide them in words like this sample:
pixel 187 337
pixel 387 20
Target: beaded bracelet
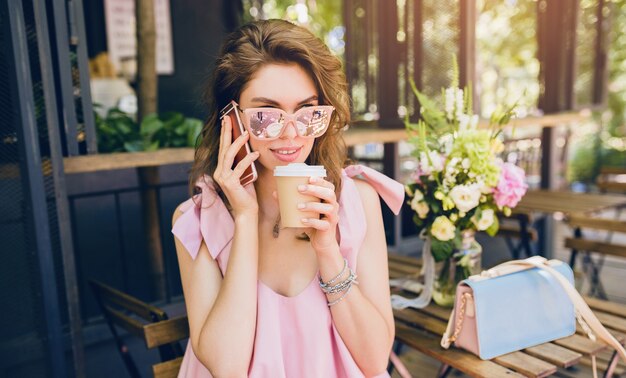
pixel 340 298
pixel 343 285
pixel 345 266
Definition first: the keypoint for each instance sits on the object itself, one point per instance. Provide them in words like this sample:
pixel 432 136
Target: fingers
pixel 241 167
pixel 224 130
pixel 318 224
pixel 321 182
pixel 326 209
pixel 233 149
pixel 325 193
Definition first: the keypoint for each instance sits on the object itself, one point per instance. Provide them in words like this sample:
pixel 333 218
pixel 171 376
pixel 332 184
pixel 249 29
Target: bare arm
pixel 222 312
pixel 364 318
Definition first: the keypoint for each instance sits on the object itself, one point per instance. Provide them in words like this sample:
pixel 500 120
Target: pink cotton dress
pixel 295 336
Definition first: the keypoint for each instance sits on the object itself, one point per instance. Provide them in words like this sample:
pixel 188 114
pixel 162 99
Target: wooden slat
pixel 612 171
pixel 612 186
pixel 597 223
pixel 619 336
pixel 166 331
pixel 611 321
pixel 526 364
pixel 133 326
pixel 168 369
pixel 465 362
pixel 438 312
pixel 110 295
pixel 555 354
pixel 551 201
pixel 603 365
pixel 596 246
pixel 513 231
pixel 403 268
pixel 581 344
pixel 421 320
pixel 606 306
pixel 412 261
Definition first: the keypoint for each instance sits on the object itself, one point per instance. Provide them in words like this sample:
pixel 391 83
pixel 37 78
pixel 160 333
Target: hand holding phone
pixel 232 111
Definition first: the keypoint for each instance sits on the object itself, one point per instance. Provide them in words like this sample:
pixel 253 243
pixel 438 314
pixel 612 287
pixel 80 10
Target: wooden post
pixel 556 34
pixel 600 67
pixel 149 176
pixel 146 58
pixel 388 101
pixel 467 49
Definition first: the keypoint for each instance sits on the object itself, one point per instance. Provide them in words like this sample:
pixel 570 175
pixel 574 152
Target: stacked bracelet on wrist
pixel 343 286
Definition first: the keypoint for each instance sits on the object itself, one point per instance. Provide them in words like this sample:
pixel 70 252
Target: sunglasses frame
pixel 286 117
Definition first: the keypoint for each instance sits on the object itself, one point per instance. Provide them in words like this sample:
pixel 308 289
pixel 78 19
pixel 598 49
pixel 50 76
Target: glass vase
pixel 464 262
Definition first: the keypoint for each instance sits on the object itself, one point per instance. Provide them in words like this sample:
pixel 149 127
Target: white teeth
pixel 285 152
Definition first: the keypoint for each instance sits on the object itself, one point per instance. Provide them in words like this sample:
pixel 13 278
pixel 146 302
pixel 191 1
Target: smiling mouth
pixel 286 151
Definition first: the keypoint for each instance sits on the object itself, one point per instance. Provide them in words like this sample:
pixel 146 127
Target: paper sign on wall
pixel 121 34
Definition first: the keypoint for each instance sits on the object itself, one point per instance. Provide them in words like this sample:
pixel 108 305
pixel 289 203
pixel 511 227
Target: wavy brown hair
pixel 247 50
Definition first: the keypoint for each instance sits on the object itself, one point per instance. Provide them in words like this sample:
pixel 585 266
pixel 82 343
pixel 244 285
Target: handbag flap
pixel 521 309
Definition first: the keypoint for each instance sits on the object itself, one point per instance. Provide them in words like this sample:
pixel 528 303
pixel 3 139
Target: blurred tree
pixel 322 17
pixel 506 51
pixel 607 147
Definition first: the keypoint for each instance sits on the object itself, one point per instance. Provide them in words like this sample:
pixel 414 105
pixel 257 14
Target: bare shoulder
pixel 369 195
pixel 177 213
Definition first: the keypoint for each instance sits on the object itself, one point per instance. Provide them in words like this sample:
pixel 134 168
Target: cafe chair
pixel 581 242
pixel 612 179
pixel 518 234
pixel 145 321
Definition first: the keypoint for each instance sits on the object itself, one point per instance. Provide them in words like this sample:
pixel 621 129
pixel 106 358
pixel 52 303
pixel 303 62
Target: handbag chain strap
pixel 459 318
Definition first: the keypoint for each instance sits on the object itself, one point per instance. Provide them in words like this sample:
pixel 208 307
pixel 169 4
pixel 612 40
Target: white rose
pixel 408 190
pixel 418 194
pixel 422 209
pixel 465 197
pixel 442 228
pixel 416 200
pixel 465 163
pixel 436 160
pixel 485 221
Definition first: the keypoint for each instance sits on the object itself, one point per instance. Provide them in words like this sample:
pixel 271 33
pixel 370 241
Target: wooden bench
pixel 610 180
pixel 580 242
pixel 422 330
pixel 145 321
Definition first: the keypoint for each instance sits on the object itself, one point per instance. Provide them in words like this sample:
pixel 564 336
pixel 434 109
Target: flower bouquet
pixel 459 187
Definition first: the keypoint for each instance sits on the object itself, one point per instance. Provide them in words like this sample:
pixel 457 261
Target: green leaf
pixel 172 120
pixel 150 125
pixel 441 250
pixel 152 146
pixel 194 127
pixel 134 146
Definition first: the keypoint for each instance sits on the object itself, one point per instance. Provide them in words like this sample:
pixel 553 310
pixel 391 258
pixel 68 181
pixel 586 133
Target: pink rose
pixel 511 185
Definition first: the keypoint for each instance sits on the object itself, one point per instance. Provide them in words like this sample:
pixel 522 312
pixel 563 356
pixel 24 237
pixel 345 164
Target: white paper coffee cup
pixel 288 177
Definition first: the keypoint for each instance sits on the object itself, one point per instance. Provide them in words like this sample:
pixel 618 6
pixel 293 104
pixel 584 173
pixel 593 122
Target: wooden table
pixel 423 329
pixel 567 202
pixel 559 201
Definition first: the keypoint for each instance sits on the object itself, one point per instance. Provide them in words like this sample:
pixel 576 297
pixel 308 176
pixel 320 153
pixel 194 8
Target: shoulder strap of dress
pixel 205 217
pixel 391 191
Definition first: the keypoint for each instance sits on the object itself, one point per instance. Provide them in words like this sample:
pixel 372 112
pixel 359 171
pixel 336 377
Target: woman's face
pixel 287 87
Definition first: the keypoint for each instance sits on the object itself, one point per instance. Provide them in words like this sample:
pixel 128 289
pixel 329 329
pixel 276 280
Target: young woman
pixel 266 301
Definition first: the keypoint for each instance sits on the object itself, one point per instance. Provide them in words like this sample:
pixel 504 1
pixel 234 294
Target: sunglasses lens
pixel 313 121
pixel 269 124
pixel 265 124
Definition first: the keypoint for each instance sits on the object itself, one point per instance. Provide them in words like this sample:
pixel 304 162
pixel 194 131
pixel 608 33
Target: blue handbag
pixel 519 304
